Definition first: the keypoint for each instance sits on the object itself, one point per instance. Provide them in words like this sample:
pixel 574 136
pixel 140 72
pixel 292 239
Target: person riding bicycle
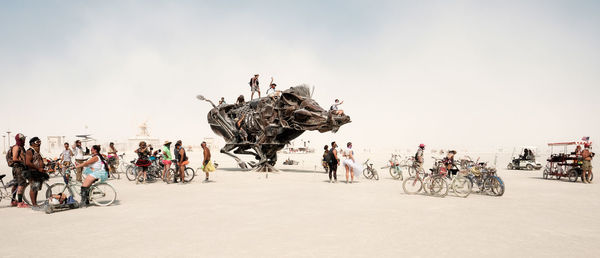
pixel 15 158
pixel 419 156
pixel 35 172
pixel 65 156
pixel 96 168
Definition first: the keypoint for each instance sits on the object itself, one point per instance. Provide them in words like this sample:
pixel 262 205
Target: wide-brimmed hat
pixel 167 142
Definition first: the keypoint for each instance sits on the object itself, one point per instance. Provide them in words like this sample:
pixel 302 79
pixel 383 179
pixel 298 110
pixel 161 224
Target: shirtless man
pixel 18 166
pixel 206 160
pixel 587 156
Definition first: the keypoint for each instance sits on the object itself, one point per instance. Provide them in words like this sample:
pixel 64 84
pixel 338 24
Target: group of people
pixel 585 156
pixel 28 167
pixel 254 87
pixel 166 158
pixel 332 157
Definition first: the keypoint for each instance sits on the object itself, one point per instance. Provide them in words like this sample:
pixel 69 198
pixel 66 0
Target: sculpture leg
pixel 225 150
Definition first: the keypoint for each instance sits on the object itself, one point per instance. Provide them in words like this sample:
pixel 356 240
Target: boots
pixel 85 193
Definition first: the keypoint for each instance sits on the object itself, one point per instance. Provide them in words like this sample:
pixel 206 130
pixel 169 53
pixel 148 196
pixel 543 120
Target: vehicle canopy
pixel 566 147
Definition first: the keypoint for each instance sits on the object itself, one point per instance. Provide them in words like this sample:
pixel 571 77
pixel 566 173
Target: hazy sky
pixel 453 74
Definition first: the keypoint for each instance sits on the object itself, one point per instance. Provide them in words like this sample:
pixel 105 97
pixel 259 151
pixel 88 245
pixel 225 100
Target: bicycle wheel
pixel 367 173
pixel 57 188
pixel 462 186
pixel 411 171
pixel 573 175
pixel 494 186
pixel 412 185
pixel 375 174
pixel 395 173
pixel 170 175
pixel 545 174
pixel 103 194
pixel 439 187
pixel 131 173
pixel 42 195
pixel 189 174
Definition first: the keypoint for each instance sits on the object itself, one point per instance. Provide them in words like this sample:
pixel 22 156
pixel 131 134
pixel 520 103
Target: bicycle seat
pixel 2 176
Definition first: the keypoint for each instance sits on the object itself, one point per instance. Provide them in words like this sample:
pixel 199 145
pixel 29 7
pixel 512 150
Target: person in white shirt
pixel 65 156
pixel 334 108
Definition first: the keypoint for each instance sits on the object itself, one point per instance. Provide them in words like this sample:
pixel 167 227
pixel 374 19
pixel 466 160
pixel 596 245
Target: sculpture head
pixel 301 111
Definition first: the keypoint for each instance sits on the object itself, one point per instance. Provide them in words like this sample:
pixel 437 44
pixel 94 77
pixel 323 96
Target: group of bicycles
pixel 463 178
pixel 101 193
pixel 154 172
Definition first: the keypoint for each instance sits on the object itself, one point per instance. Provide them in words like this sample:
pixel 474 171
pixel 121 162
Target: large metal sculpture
pixel 263 126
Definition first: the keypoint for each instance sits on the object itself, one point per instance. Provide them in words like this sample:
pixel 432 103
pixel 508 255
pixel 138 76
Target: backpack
pixel 9 156
pixel 330 158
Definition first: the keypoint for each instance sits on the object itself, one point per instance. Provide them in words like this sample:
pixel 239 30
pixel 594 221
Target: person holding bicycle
pixel 448 162
pixel 419 156
pixel 96 168
pixel 167 157
pixel 182 161
pixel 143 161
pixel 35 172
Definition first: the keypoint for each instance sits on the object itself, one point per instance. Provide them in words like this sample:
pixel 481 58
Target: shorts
pixel 100 174
pixel 587 165
pixel 17 171
pixel 254 89
pixel 185 163
pixel 66 163
pixel 166 162
pixel 333 166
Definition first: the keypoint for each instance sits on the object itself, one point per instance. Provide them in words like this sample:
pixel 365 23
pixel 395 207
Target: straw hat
pixel 167 142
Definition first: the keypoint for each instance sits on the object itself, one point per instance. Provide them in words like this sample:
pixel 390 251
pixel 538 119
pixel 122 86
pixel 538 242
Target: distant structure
pixel 143 135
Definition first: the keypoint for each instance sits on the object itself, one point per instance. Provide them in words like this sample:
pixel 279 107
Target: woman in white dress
pixel 349 162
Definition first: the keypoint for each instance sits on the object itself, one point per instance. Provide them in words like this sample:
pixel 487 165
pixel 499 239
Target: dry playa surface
pixel 298 213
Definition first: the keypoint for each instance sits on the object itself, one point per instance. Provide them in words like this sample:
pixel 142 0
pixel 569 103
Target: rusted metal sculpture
pixel 263 126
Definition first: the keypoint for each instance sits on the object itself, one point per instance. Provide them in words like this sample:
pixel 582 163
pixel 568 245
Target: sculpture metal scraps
pixel 263 126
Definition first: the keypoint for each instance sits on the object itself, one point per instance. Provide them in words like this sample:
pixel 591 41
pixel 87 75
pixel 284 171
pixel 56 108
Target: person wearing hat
pixel 167 159
pixel 419 156
pixel 449 162
pixel 17 162
pixel 587 156
pixel 254 86
pixel 35 168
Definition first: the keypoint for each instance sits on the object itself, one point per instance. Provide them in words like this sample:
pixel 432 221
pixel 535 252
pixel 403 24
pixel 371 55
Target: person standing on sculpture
pixel 254 86
pixel 333 161
pixel 79 159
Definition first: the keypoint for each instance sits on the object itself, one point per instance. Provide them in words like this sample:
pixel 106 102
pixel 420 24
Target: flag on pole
pixel 586 138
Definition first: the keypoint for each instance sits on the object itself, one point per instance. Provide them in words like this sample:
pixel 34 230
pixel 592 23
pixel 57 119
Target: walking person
pixel 35 172
pixel 182 161
pixel 113 158
pixel 254 86
pixel 333 161
pixel 349 162
pixel 167 157
pixel 143 162
pixel 587 156
pixel 96 168
pixel 65 157
pixel 207 163
pixel 79 159
pixel 15 158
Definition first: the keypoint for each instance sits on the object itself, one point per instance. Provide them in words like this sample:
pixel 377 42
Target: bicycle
pixel 101 193
pixel 369 172
pixel 173 173
pixel 395 167
pixel 131 170
pixel 5 194
pixel 486 179
pixel 153 173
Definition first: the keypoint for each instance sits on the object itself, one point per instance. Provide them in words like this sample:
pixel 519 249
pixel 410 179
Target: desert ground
pixel 298 213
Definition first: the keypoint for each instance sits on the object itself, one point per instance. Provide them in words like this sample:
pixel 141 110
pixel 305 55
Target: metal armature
pixel 263 126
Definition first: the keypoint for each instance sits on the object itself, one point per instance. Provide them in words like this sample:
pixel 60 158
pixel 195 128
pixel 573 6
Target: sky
pixel 451 74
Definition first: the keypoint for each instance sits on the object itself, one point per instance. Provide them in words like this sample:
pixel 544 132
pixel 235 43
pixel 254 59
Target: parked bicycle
pixel 369 171
pixel 485 179
pixel 395 167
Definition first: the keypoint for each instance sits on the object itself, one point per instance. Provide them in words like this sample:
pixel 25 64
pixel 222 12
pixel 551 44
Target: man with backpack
pixel 15 158
pixel 332 161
